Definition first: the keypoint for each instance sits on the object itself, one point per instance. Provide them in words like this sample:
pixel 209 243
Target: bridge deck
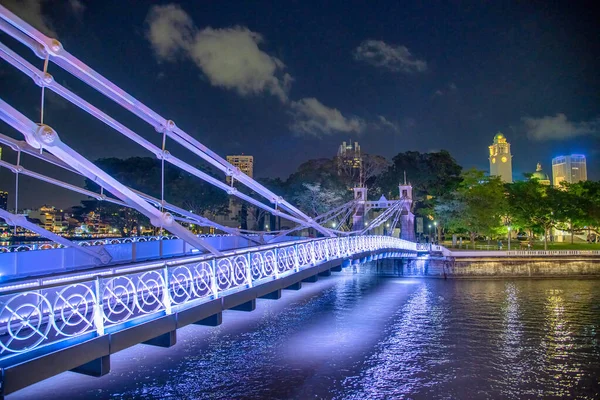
pixel 75 321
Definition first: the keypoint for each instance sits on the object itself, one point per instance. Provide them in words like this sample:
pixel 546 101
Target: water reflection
pixel 365 337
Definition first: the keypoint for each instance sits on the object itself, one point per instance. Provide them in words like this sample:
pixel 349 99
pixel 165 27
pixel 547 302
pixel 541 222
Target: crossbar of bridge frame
pixel 324 218
pixel 384 216
pixel 71 64
pixel 45 137
pixel 396 218
pixel 46 80
pixel 98 253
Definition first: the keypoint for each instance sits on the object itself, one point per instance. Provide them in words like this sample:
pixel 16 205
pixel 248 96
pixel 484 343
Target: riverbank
pixel 496 265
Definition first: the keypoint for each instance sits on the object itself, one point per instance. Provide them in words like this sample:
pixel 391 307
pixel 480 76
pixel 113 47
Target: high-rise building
pixel 244 163
pixel 570 169
pixel 501 159
pixel 540 175
pixel 3 200
pixel 349 155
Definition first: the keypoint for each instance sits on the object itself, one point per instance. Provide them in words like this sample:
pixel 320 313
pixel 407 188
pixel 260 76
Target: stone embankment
pixel 498 264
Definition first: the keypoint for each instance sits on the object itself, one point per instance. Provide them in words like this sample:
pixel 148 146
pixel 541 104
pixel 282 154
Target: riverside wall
pixel 491 266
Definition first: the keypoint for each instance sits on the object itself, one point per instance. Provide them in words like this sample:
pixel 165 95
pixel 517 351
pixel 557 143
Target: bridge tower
pixel 358 219
pixel 407 218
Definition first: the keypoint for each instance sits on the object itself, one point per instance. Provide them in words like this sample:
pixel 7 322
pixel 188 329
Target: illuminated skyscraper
pixel 349 155
pixel 244 163
pixel 501 159
pixel 570 169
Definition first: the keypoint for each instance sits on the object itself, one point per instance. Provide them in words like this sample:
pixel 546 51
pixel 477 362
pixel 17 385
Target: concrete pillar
pixel 98 367
pixel 247 306
pixel 165 340
pixel 213 320
pixel 336 269
pixel 313 278
pixel 327 272
pixel 295 286
pixel 276 295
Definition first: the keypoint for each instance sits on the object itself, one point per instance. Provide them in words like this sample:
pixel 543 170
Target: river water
pixel 367 337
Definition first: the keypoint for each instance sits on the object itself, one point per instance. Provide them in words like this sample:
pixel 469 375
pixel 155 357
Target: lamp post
pixel 509 238
pixel 435 232
pixel 429 233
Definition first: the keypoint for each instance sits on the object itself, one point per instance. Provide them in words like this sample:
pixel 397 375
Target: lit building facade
pixel 540 175
pixel 50 218
pixel 348 155
pixel 570 169
pixel 501 158
pixel 244 163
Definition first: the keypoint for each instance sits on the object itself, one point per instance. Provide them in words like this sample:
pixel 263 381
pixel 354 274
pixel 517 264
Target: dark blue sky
pixel 287 81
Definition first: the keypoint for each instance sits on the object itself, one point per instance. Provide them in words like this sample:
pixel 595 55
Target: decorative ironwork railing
pixel 93 242
pixel 41 312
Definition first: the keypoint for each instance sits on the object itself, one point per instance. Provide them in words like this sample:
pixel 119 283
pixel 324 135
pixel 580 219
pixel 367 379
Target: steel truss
pixel 41 137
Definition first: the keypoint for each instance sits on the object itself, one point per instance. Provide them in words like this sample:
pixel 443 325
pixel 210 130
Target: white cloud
pixel 229 58
pixel 170 31
pixel 31 12
pixel 394 58
pixel 558 127
pixel 314 118
pixel 385 123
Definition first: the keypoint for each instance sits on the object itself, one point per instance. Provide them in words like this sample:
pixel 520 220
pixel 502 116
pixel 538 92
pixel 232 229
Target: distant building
pixel 501 158
pixel 50 218
pixel 3 198
pixel 348 156
pixel 244 163
pixel 570 169
pixel 540 175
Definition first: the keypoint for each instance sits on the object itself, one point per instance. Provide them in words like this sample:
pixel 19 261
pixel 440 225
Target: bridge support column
pixel 276 295
pixel 213 320
pixel 247 306
pixel 295 286
pixel 98 367
pixel 313 278
pixel 337 268
pixel 165 340
pixel 327 272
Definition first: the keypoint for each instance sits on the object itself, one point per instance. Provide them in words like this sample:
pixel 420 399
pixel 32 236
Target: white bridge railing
pixel 92 242
pixel 39 312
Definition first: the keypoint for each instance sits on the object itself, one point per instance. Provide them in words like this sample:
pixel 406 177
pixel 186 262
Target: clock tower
pixel 501 159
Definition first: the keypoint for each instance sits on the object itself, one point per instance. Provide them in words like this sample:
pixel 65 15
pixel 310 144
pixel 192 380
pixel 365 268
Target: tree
pixel 315 199
pixel 371 166
pixel 481 203
pixel 570 208
pixel 532 205
pixel 317 180
pixel 431 174
pixel 144 174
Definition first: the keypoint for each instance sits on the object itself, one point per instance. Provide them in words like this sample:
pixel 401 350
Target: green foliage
pixel 433 174
pixel 481 204
pixel 181 188
pixel 317 187
pixel 144 174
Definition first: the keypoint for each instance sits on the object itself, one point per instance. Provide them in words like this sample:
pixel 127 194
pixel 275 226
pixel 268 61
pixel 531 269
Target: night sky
pixel 288 81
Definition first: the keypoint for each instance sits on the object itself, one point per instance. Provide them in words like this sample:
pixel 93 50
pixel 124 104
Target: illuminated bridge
pixel 70 305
